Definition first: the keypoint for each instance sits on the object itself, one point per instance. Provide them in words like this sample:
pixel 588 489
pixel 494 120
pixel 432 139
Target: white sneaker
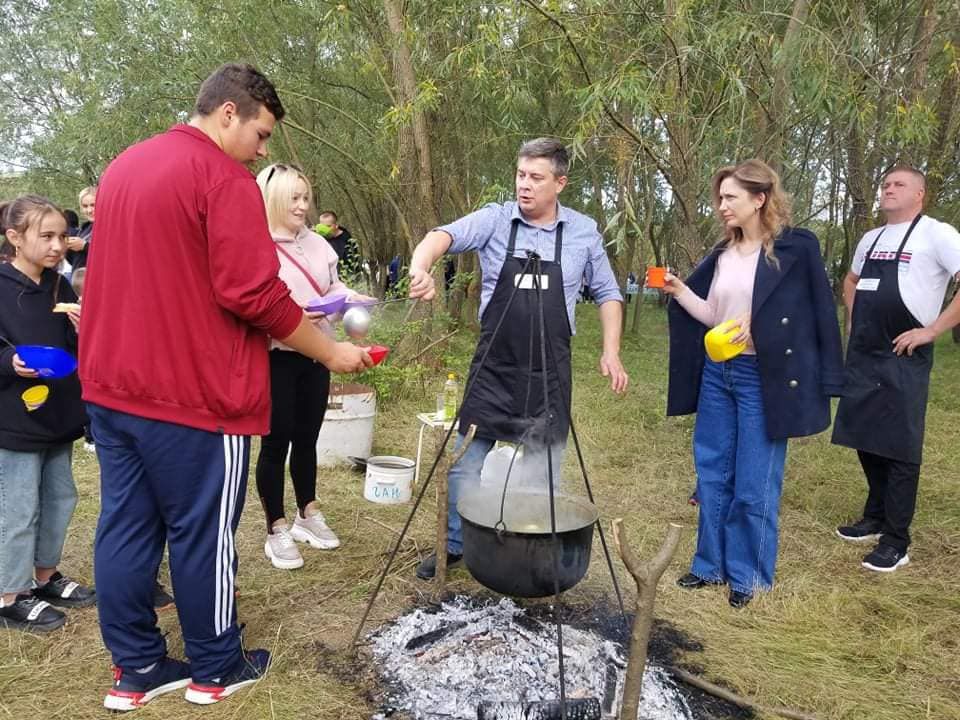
pixel 281 549
pixel 313 530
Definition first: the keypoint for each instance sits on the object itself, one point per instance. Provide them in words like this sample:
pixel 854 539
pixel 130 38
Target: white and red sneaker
pixel 253 667
pixel 134 689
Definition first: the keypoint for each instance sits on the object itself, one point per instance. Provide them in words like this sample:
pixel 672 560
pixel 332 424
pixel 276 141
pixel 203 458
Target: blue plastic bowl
pixel 329 304
pixel 49 362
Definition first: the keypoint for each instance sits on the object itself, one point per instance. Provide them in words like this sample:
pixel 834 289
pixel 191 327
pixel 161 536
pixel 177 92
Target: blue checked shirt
pixel 583 258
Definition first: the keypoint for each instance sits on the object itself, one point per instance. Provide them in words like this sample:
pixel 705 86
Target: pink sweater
pixel 731 292
pixel 319 259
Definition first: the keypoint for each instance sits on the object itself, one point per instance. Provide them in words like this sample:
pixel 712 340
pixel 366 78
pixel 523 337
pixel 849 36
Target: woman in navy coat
pixel 770 279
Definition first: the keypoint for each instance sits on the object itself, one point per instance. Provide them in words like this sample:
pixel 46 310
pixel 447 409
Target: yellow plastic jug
pixel 717 341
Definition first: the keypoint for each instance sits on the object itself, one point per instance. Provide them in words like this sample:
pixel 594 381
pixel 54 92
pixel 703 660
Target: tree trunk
pixel 946 132
pixel 646 575
pixel 772 144
pixel 406 79
pixel 683 165
pixel 416 170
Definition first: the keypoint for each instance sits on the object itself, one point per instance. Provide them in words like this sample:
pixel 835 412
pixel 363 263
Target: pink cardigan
pixel 320 260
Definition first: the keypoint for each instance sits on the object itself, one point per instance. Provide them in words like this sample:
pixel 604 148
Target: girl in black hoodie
pixel 37 491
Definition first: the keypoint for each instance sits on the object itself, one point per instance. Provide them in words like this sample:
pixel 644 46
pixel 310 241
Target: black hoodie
pixel 27 318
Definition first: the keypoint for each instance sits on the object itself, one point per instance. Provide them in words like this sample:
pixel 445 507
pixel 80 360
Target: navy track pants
pixel 163 483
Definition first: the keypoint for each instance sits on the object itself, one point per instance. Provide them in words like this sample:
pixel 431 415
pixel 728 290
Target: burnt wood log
pixel 578 709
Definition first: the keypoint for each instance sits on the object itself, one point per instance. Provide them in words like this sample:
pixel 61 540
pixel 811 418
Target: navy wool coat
pixel 795 333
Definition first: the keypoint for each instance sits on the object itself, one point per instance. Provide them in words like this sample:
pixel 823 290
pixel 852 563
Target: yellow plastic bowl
pixel 717 341
pixel 34 397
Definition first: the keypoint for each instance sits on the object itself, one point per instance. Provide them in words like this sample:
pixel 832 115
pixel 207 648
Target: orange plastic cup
pixel 655 277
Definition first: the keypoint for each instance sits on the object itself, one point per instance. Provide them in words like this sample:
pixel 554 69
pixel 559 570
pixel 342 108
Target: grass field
pixel 831 638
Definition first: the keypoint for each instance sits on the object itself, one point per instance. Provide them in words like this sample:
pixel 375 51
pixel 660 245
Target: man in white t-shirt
pixel 894 294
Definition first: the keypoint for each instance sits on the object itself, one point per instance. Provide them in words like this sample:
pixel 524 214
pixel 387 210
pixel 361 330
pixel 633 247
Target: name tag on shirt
pixel 525 281
pixel 868 284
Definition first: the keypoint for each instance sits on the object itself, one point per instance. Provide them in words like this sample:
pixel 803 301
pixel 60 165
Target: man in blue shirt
pixel 534 255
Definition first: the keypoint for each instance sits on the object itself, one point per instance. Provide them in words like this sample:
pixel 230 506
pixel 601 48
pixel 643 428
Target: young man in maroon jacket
pixel 181 293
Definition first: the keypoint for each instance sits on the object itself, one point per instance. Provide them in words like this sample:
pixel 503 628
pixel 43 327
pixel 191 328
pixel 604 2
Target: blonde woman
pixel 298 385
pixel 79 245
pixel 770 278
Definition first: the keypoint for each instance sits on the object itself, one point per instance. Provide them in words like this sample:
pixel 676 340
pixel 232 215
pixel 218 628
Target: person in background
pixel 894 297
pixel 73 222
pixel 173 412
pixel 770 279
pixel 37 491
pixel 299 385
pixel 512 240
pixel 78 245
pixel 161 598
pixel 76 282
pixel 6 249
pixel 393 272
pixel 342 241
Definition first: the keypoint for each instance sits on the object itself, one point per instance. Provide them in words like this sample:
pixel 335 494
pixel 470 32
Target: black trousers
pixel 299 388
pixel 892 497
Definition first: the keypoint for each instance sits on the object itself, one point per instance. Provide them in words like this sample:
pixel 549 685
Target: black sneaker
pixel 161 598
pixel 428 566
pixel 739 600
pixel 61 590
pixel 862 530
pixel 30 613
pixel 253 667
pixel 693 582
pixel 885 558
pixel 133 689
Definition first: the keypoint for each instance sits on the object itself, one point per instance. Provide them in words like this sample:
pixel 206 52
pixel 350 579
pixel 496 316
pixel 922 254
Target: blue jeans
pixel 465 474
pixel 37 499
pixel 739 478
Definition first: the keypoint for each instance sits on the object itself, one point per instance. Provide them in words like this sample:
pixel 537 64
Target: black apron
pixel 884 401
pixel 505 396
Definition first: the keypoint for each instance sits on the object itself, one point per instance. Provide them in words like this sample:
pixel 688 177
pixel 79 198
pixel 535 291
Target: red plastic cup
pixel 377 353
pixel 655 277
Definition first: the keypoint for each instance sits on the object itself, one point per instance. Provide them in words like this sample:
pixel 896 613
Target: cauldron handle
pixel 500 526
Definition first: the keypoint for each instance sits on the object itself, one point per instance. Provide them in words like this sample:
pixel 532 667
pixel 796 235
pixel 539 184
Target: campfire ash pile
pixel 442 664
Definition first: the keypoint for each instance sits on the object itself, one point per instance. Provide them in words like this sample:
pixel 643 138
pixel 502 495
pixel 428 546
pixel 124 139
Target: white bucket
pixel 348 425
pixel 389 479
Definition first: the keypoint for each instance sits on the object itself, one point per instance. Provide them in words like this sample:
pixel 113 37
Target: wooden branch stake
pixel 738 700
pixel 646 575
pixel 440 549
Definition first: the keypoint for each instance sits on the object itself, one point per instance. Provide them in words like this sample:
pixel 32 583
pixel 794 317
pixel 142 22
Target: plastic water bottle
pixel 451 394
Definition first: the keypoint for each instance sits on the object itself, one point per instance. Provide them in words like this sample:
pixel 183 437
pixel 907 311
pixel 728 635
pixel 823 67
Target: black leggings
pixel 298 389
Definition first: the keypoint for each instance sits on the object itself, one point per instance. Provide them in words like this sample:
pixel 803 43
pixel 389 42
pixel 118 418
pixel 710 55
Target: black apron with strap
pixel 505 396
pixel 884 404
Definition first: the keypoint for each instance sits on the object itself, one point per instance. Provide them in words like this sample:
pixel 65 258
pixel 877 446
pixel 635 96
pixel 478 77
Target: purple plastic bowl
pixel 49 362
pixel 329 304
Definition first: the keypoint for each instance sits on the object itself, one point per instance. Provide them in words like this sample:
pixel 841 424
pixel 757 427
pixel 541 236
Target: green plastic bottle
pixel 451 395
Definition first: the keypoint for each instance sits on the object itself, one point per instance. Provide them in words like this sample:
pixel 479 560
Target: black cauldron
pixel 516 558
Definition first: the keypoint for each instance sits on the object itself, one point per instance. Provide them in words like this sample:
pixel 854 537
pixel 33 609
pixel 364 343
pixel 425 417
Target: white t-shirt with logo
pixel 929 259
